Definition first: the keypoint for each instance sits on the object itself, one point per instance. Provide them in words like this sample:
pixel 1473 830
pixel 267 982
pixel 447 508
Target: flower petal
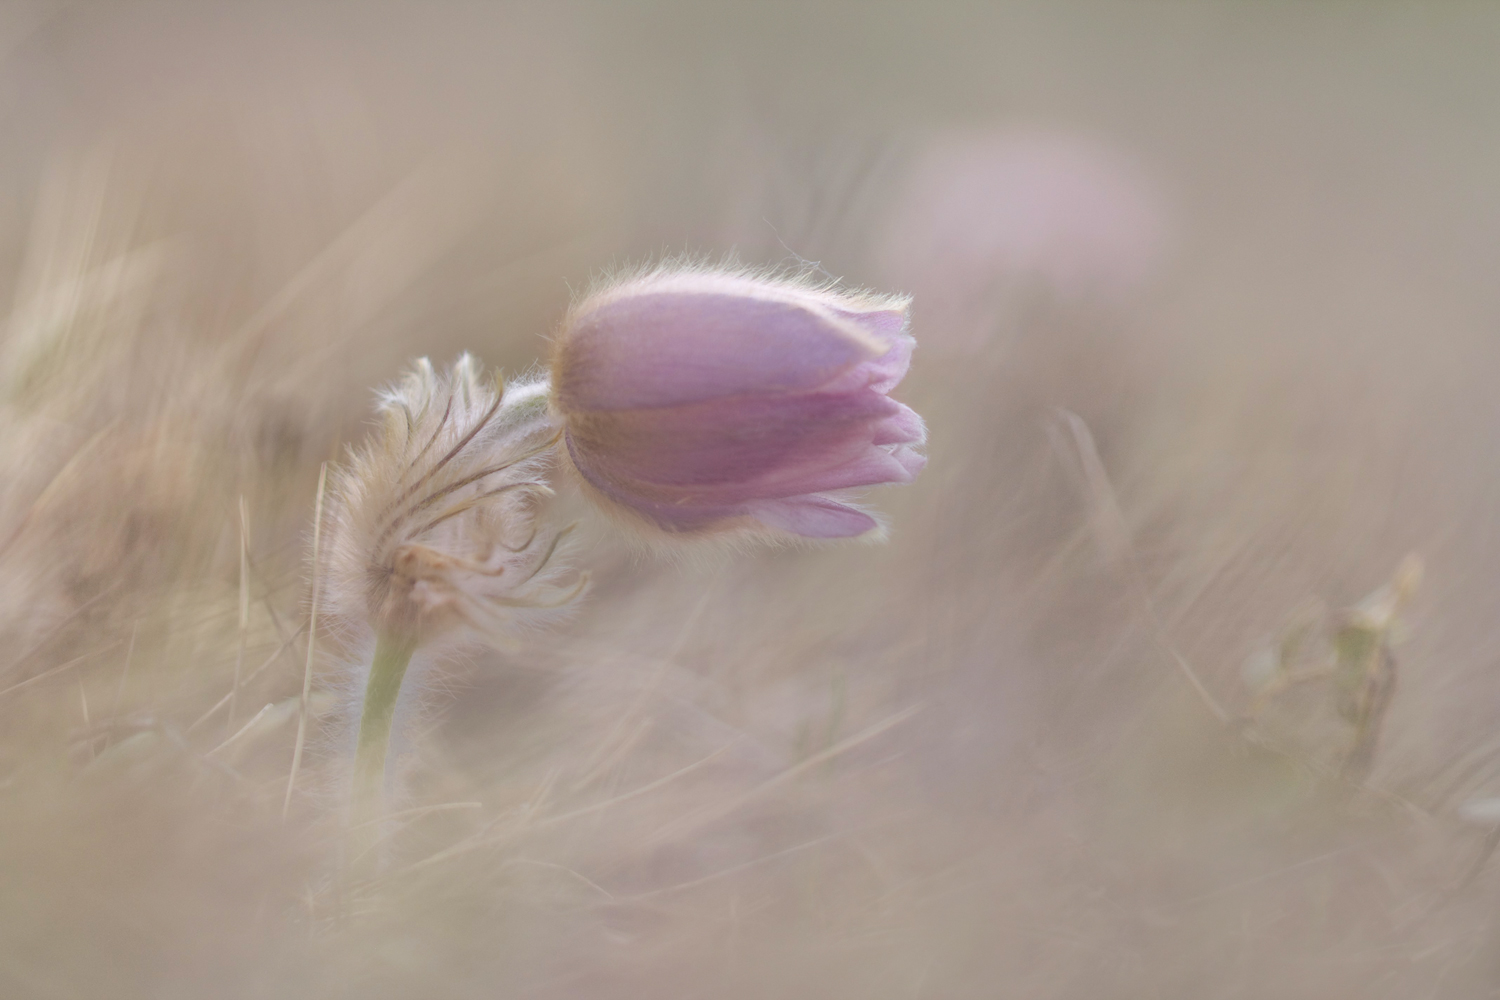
pixel 813 517
pixel 680 345
pixel 902 427
pixel 912 461
pixel 666 514
pixel 887 323
pixel 862 466
pixel 732 441
pixel 872 467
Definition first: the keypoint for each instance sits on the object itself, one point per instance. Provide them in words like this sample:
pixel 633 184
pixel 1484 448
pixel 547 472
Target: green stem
pixel 387 669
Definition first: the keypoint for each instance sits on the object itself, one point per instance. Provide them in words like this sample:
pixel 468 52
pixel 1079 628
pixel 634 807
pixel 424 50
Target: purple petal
pixel 866 466
pixel 813 517
pixel 912 461
pixel 889 326
pixel 886 371
pixel 887 323
pixel 902 427
pixel 750 439
pixel 675 345
pixel 669 516
pixel 873 467
pixel 881 374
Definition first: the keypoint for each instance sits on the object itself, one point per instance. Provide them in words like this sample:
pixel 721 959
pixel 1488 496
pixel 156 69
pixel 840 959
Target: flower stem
pixel 387 669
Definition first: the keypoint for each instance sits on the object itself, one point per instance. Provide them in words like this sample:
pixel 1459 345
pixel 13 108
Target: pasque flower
pixel 695 401
pixel 704 401
pixel 434 535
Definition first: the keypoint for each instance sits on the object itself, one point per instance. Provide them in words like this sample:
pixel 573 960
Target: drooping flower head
pixel 434 522
pixel 704 401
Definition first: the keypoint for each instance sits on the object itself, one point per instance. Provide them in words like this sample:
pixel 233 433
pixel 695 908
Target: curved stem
pixel 387 669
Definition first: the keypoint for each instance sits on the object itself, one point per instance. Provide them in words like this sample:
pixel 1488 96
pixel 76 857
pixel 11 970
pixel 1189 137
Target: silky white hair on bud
pixel 434 529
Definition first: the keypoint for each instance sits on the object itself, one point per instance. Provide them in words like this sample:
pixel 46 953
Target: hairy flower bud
pixel 703 401
pixel 433 522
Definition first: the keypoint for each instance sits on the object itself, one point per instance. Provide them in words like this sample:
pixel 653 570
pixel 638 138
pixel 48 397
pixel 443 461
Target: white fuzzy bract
pixel 435 525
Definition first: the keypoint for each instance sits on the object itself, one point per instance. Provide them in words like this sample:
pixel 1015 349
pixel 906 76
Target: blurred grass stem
pixel 312 643
pixel 1113 535
pixel 239 658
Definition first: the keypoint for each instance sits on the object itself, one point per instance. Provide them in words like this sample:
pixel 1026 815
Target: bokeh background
pixel 1207 309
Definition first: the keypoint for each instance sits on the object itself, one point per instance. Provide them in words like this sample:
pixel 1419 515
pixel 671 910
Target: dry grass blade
pixel 744 866
pixel 244 609
pixel 312 644
pixel 247 727
pixel 216 706
pixel 634 793
pixel 1113 535
pixel 54 671
pixel 710 814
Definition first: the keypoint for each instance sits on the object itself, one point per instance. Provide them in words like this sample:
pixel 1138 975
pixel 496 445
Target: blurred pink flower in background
pixel 984 214
pixel 702 401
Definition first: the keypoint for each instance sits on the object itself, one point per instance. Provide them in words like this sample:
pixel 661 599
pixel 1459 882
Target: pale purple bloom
pixel 985 213
pixel 704 400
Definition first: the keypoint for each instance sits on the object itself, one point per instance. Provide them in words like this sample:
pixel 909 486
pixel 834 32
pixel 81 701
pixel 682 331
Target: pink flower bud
pixel 702 401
